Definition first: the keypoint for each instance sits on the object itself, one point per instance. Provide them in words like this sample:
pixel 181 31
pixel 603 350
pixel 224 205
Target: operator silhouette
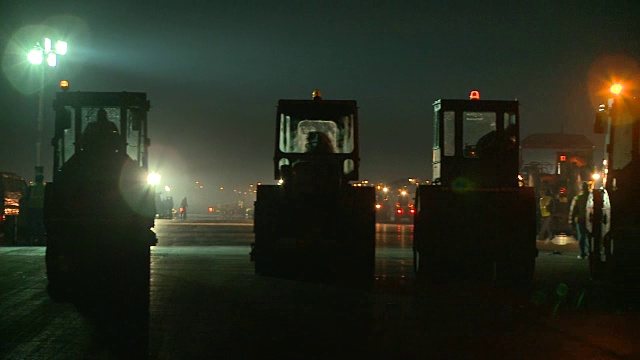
pixel 487 145
pixel 100 135
pixel 318 143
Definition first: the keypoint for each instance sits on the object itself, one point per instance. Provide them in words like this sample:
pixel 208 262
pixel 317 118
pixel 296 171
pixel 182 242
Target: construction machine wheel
pixel 359 260
pixel 58 271
pixel 266 220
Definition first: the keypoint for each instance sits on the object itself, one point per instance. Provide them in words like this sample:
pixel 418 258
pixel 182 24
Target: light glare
pixel 616 89
pixel 52 60
pixel 61 47
pixel 47 44
pixel 153 179
pixel 35 56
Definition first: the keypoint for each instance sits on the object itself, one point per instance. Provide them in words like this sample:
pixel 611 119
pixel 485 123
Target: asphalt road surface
pixel 205 302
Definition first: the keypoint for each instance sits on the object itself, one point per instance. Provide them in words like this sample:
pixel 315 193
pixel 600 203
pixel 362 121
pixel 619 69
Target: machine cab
pixel 100 123
pixel 317 138
pixel 476 143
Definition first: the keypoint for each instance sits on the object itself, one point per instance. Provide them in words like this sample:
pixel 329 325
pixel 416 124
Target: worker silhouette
pixel 578 212
pixel 101 135
pixel 183 208
pixel 318 143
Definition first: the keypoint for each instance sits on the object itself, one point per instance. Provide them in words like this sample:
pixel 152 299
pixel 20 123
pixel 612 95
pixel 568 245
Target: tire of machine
pixel 265 222
pixel 58 276
pixel 263 266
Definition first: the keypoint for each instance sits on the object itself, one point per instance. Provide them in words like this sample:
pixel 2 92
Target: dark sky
pixel 214 71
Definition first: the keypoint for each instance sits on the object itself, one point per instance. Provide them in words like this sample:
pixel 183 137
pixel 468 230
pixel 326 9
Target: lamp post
pixel 37 56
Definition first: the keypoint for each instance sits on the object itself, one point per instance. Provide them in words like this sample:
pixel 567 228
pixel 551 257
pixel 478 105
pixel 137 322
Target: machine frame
pixel 475 221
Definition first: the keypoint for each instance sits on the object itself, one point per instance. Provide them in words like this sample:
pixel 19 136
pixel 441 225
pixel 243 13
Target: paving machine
pixel 614 209
pixel 475 222
pixel 315 224
pixel 99 209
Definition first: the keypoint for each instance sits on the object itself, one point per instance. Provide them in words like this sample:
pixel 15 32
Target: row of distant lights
pixel 201 186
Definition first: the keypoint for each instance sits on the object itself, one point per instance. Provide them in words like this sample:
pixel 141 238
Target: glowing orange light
pixel 474 95
pixel 616 89
pixel 64 84
pixel 563 157
pixel 210 209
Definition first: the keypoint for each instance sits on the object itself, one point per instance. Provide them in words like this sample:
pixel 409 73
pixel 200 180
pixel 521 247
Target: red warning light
pixel 474 95
pixel 563 157
pixel 563 190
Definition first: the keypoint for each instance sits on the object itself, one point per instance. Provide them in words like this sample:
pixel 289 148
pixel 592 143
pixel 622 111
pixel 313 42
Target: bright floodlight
pixel 52 59
pixel 153 179
pixel 616 89
pixel 167 188
pixel 61 47
pixel 595 176
pixel 35 56
pixel 47 44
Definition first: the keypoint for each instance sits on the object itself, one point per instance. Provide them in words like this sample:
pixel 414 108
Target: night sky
pixel 214 71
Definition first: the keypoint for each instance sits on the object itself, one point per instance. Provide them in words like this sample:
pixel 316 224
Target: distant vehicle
pixel 395 201
pixel 12 190
pixel 315 225
pixel 404 210
pixel 614 209
pixel 164 206
pixel 99 209
pixel 233 211
pixel 385 205
pixel 476 223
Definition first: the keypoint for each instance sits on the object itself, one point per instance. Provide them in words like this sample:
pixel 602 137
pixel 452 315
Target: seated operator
pixel 318 143
pixel 101 135
pixel 487 145
pixel 319 171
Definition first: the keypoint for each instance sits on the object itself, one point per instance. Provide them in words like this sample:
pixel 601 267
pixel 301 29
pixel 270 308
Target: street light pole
pixel 36 56
pixel 40 126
